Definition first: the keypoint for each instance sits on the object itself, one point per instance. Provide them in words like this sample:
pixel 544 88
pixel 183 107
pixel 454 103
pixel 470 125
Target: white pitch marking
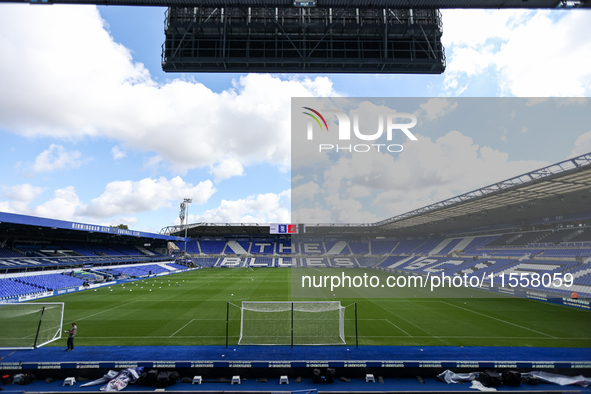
pixel 190 321
pixel 398 327
pixel 107 310
pixel 501 320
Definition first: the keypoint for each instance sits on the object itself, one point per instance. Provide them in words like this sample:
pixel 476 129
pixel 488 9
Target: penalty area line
pixel 190 321
pixel 398 327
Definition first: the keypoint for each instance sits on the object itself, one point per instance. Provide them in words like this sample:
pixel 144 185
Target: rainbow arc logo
pixel 315 118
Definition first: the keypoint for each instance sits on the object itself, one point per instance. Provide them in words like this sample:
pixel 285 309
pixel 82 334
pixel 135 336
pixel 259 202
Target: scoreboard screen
pixel 280 228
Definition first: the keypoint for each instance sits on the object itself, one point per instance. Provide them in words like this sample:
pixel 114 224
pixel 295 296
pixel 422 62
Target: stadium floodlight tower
pixel 182 216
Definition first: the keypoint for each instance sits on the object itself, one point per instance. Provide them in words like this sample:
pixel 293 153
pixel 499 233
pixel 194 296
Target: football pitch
pixel 190 309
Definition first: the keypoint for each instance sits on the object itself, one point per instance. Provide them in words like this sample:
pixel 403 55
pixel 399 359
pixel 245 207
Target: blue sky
pixel 93 131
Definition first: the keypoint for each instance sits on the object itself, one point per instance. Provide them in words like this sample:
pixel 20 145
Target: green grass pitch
pixel 190 309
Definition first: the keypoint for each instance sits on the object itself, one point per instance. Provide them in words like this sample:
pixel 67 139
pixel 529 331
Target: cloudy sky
pixel 92 130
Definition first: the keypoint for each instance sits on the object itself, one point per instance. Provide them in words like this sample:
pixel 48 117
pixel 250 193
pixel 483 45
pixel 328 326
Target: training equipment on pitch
pixel 295 323
pixel 30 325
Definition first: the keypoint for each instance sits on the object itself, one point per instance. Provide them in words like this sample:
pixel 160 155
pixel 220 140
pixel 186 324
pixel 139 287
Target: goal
pixel 30 325
pixel 292 323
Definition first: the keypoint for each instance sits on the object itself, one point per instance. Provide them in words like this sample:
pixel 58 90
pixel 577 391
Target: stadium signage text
pixel 344 132
pixel 103 229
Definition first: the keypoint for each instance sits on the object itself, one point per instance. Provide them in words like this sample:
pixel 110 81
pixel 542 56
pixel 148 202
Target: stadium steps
pixel 163 265
pixel 441 246
pixel 337 248
pixel 97 272
pixel 380 261
pixel 464 242
pixel 572 235
pixel 236 248
pixel 513 239
pixel 144 251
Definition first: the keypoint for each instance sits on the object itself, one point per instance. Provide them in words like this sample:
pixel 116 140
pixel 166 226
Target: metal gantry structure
pixel 296 39
pixel 308 36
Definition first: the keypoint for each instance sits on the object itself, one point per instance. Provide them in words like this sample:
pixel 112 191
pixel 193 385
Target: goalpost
pixel 30 325
pixel 292 323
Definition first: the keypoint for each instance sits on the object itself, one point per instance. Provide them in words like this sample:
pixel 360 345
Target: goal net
pixel 304 322
pixel 30 325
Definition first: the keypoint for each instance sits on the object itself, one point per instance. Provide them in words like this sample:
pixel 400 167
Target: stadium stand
pixel 527 238
pixel 176 266
pixel 5 252
pixel 405 247
pixel 212 247
pixel 285 247
pixel 476 243
pixel 263 262
pixel 367 261
pixel 10 288
pixel 262 247
pixel 428 247
pixel 502 240
pixel 583 235
pixel 558 236
pixel 52 281
pixel 516 252
pixel 359 247
pixel 135 271
pixel 584 252
pixel 391 261
pixel 383 246
pixel 205 261
pixel 449 247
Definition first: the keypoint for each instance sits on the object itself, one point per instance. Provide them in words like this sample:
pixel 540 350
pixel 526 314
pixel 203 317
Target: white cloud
pixel 63 205
pixel 296 178
pixel 311 215
pixel 227 169
pixel 97 90
pixel 56 158
pixel 348 210
pixel 22 193
pixel 582 145
pixel 340 210
pixel 117 153
pixel 113 206
pixel 533 53
pixel 364 187
pixel 436 108
pixel 306 191
pixel 125 197
pixel 260 208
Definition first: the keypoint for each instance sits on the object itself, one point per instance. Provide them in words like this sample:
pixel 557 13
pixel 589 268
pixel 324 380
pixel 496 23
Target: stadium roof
pixel 333 3
pixel 24 227
pixel 556 191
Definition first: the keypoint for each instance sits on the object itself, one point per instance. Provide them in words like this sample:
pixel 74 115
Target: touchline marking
pixel 190 321
pixel 501 320
pixel 165 337
pixel 463 337
pixel 361 336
